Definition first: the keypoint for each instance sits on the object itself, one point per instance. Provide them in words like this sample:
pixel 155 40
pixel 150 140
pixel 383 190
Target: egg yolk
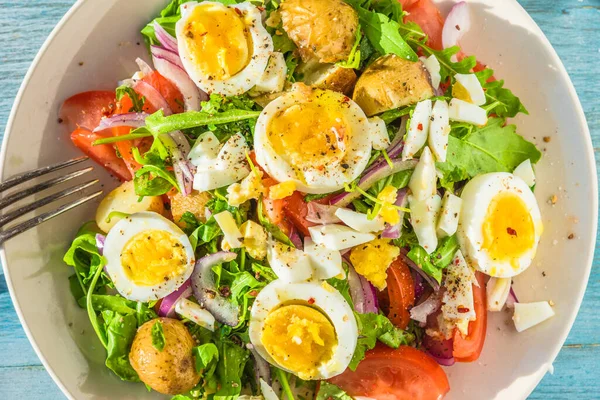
pixel 299 338
pixel 152 257
pixel 311 134
pixel 372 260
pixel 460 92
pixel 218 41
pixel 508 230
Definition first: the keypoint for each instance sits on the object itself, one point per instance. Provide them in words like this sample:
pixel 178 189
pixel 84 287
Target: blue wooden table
pixel 573 27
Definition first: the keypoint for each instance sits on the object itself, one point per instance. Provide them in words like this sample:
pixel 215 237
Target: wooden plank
pixel 28 383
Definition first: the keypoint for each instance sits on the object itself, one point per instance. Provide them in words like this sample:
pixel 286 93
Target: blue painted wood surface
pixel 573 27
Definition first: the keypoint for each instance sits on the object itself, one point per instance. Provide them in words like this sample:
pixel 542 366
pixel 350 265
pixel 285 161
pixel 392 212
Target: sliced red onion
pixel 296 239
pixel 457 24
pixel 152 96
pixel 321 213
pixel 100 243
pixel 167 305
pixel 512 299
pixel 432 282
pixel 203 287
pixel 364 295
pixel 167 41
pixel 183 169
pixel 169 65
pixel 145 69
pixel 440 350
pixel 395 231
pixel 420 312
pixel 418 284
pixel 395 148
pixel 377 171
pixel 133 120
pixel 262 369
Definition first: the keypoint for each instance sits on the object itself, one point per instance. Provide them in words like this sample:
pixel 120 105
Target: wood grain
pixel 573 27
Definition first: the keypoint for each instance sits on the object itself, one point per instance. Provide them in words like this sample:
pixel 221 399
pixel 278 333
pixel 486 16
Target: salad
pixel 318 199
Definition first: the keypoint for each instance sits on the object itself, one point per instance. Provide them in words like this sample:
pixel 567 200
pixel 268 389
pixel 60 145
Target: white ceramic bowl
pixel 103 34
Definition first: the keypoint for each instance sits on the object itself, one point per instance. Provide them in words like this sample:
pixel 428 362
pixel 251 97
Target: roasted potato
pixel 195 203
pixel 123 199
pixel 391 82
pixel 172 370
pixel 327 76
pixel 325 29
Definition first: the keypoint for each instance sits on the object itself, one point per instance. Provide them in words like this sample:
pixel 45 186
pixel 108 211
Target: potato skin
pixel 124 199
pixel 322 28
pixel 172 370
pixel 391 82
pixel 328 76
pixel 195 203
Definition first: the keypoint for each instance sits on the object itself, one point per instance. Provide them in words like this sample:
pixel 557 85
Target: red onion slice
pixel 432 282
pixel 395 148
pixel 100 243
pixel 512 299
pixel 203 287
pixel 321 213
pixel 457 24
pixel 152 96
pixel 183 169
pixel 167 305
pixel 395 231
pixel 165 39
pixel 133 120
pixel 169 65
pixel 379 170
pixel 296 239
pixel 145 69
pixel 364 295
pixel 440 350
pixel 420 312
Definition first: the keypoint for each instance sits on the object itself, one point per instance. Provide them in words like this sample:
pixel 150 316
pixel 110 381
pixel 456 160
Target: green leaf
pixel 447 66
pixel 419 256
pixel 120 331
pixel 205 233
pixel 354 57
pixel 158 336
pixel 230 368
pixel 144 312
pixel 151 180
pixel 168 19
pixel 374 327
pixel 117 304
pixel 137 100
pixel 390 8
pixel 270 227
pixel 342 286
pixel 391 115
pixel 206 356
pixel 190 221
pixel 443 255
pixel 328 391
pixel 159 124
pixel 491 148
pixel 507 104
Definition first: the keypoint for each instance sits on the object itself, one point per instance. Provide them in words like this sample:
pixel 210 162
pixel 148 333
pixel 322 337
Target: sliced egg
pixel 360 221
pixel 462 111
pixel 288 263
pixel 525 172
pixel 147 256
pixel 423 217
pixel 379 134
pixel 457 301
pixel 469 89
pixel 307 329
pixel 418 128
pixel 318 139
pixel 528 315
pixel 325 262
pixel 338 237
pixel 500 224
pixel 449 215
pixel 224 49
pixel 439 130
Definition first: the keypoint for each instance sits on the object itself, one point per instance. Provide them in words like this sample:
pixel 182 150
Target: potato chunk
pixel 328 76
pixel 322 28
pixel 171 370
pixel 123 199
pixel 195 203
pixel 391 82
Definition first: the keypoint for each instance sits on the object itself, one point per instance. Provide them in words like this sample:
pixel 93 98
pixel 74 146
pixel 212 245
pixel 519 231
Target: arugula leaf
pixel 447 66
pixel 443 255
pixel 190 221
pixel 168 19
pixel 120 332
pixel 159 124
pixel 137 100
pixel 205 233
pixel 144 312
pixel 391 115
pixel 206 356
pixel 270 227
pixel 390 8
pixel 117 304
pixel 507 104
pixel 383 33
pixel 342 286
pixel 353 61
pixel 158 336
pixel 419 256
pixel 328 391
pixel 151 180
pixel 230 368
pixel 374 327
pixel 491 148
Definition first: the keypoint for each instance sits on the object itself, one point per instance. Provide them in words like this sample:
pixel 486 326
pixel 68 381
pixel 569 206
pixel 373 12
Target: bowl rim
pixel 573 98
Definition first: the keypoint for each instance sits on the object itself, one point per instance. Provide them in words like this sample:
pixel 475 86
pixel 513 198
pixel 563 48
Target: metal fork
pixel 30 175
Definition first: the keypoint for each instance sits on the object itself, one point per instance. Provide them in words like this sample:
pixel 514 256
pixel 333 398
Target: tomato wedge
pixel 399 296
pixel 404 373
pixel 85 110
pixel 103 154
pixel 428 17
pixel 468 349
pixel 167 90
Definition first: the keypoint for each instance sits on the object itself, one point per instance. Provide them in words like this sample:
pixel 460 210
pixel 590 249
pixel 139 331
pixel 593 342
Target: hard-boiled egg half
pixel 224 49
pixel 305 328
pixel 500 224
pixel 147 256
pixel 318 139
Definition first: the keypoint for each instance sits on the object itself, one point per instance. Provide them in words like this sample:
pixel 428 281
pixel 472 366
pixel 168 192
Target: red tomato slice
pixel 404 373
pixel 429 18
pixel 296 209
pixel 399 296
pixel 167 90
pixel 274 208
pixel 104 154
pixel 467 349
pixel 85 110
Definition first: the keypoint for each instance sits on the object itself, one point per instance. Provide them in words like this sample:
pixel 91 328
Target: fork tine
pixel 42 186
pixel 4 236
pixel 17 179
pixel 42 202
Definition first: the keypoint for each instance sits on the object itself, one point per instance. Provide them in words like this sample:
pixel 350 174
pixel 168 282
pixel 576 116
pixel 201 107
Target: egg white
pixel 328 300
pixel 121 233
pixel 315 180
pixel 251 74
pixel 476 198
